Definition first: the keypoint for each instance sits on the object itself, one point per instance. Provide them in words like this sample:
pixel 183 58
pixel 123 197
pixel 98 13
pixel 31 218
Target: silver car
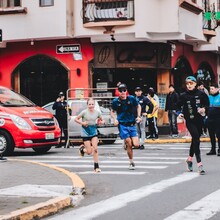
pixel 107 133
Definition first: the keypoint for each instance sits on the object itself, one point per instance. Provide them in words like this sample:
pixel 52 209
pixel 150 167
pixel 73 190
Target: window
pixel 10 3
pixel 44 3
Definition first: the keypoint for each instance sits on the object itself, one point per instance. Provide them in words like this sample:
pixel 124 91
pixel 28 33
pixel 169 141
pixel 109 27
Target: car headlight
pixel 20 122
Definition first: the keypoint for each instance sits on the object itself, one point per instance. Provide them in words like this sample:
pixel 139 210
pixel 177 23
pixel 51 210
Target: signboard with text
pixel 68 48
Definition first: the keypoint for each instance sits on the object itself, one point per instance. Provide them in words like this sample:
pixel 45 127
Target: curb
pixel 176 140
pixel 51 206
pixel 39 210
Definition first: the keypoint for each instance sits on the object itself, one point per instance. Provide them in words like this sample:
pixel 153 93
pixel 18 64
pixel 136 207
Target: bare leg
pixel 95 149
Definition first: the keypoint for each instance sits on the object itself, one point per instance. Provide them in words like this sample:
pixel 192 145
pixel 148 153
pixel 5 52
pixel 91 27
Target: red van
pixel 25 125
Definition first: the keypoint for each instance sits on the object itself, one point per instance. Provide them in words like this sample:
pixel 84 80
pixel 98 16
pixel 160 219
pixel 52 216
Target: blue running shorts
pixel 127 131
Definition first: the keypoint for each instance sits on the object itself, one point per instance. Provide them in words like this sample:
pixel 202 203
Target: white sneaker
pixel 132 166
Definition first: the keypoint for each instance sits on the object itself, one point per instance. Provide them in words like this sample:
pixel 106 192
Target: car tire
pixel 6 144
pixel 108 141
pixel 41 150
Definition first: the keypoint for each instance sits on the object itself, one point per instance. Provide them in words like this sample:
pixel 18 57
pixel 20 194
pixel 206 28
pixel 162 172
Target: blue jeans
pixel 141 130
pixel 172 115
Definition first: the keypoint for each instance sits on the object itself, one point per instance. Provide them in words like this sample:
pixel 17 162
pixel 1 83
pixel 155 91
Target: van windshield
pixel 10 98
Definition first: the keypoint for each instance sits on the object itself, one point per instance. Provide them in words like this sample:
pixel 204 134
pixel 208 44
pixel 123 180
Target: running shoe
pixel 189 165
pixel 81 150
pixel 201 170
pixel 132 166
pixel 141 147
pixel 97 170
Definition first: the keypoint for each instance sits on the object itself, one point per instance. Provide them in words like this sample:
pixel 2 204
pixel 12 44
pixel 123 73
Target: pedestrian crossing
pixel 113 160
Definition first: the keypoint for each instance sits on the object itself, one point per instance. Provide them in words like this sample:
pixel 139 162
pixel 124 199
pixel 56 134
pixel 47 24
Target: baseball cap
pixel 138 88
pixel 151 89
pixel 191 78
pixel 122 86
pixel 61 94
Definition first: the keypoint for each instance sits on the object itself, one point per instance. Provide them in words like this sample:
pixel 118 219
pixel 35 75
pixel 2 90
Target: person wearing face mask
pixel 193 105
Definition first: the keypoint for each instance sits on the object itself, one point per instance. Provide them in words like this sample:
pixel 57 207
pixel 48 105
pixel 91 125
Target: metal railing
pixel 107 10
pixel 211 15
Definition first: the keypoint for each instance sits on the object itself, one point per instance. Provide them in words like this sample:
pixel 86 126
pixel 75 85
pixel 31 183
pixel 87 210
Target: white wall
pixel 38 23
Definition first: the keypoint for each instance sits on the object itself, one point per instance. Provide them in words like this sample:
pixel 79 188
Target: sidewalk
pixel 163 139
pixel 31 190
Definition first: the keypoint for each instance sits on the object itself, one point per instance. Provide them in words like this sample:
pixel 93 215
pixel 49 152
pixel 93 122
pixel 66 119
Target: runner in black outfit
pixel 192 106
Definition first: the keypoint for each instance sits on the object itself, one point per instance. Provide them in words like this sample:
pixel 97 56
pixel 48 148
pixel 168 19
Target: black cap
pixel 151 89
pixel 122 86
pixel 138 88
pixel 61 94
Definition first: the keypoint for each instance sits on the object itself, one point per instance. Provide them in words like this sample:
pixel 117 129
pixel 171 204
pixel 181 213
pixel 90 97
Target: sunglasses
pixel 190 83
pixel 122 90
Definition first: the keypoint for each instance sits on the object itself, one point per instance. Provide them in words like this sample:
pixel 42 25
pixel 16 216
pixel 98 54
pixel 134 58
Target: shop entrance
pixel 144 78
pixel 40 78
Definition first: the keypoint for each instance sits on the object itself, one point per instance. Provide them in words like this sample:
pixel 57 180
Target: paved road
pixel 159 188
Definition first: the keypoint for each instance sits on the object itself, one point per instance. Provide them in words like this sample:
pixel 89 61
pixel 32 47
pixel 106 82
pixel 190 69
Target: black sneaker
pixel 81 150
pixel 132 166
pixel 211 153
pixel 141 147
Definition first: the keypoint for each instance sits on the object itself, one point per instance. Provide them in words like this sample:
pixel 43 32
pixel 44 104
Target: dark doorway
pixel 40 78
pixel 181 70
pixel 144 78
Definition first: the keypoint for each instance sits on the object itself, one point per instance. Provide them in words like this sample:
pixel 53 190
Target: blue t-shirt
pixel 126 109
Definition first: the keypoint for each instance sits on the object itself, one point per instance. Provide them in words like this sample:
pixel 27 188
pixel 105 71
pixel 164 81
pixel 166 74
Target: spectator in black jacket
pixel 60 107
pixel 171 106
pixel 192 105
pixel 146 108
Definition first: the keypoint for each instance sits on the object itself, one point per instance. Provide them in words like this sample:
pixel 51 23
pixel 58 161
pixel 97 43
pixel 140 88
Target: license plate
pixel 49 136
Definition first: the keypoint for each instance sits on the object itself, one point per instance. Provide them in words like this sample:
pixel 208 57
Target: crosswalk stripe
pixel 106 161
pixel 119 201
pixel 112 157
pixel 200 210
pixel 108 166
pixel 114 173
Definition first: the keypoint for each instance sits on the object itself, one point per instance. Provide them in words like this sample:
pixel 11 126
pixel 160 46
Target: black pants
pixel 63 126
pixel 214 131
pixel 194 128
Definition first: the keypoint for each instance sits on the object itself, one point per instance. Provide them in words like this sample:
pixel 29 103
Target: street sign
pixel 68 48
pixel 0 35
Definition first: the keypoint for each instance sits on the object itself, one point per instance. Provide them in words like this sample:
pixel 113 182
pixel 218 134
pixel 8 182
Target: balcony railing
pixel 211 16
pixel 107 10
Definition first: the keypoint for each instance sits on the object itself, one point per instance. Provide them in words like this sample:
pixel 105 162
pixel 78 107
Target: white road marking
pixel 200 210
pixel 122 200
pixel 113 173
pixel 106 161
pixel 112 157
pixel 36 190
pixel 108 166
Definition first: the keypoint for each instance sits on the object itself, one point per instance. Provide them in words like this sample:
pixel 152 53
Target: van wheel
pixel 108 141
pixel 6 143
pixel 41 150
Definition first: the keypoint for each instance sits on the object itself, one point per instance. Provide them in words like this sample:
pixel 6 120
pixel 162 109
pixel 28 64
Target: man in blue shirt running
pixel 126 107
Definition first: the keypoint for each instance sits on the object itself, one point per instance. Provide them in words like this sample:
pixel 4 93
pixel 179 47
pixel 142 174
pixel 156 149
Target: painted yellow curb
pixel 174 140
pixel 39 210
pixel 51 206
pixel 76 180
